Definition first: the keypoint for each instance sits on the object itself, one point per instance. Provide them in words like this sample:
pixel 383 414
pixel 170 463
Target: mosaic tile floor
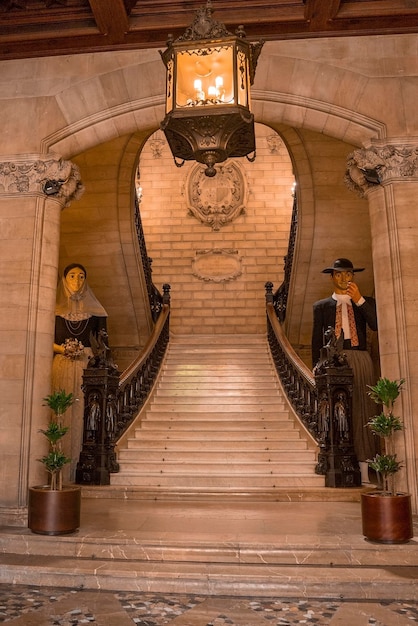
pixel 36 606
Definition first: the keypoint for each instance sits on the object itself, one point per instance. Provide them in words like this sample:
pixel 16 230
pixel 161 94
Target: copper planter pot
pixel 53 512
pixel 387 519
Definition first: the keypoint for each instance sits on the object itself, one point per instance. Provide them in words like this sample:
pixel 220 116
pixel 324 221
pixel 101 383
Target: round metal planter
pixel 54 512
pixel 386 518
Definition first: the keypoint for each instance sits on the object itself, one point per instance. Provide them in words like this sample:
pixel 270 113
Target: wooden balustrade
pixel 321 400
pixel 116 400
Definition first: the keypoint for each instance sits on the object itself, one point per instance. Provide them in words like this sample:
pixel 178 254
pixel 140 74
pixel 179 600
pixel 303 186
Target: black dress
pixel 67 374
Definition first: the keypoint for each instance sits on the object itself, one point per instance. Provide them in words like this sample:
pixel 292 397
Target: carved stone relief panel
pixel 219 200
pixel 275 144
pixel 217 265
pixel 48 174
pixel 380 164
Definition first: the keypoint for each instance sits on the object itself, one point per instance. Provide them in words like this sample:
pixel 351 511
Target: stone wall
pixel 217 261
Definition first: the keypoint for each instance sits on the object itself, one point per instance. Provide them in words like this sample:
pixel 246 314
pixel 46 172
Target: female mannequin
pixel 77 314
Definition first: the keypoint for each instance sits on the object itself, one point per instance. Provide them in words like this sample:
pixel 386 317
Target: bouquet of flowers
pixel 73 349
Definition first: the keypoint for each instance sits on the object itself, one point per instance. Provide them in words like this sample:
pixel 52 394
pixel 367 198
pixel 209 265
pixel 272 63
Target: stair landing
pixel 273 549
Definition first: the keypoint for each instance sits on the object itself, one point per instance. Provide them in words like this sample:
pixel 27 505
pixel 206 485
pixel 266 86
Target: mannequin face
pixel 340 280
pixel 75 279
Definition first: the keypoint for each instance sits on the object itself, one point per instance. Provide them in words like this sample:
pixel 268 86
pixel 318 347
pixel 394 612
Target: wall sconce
pixel 209 74
pixel 52 187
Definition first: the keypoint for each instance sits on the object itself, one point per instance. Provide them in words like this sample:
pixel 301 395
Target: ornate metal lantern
pixel 209 73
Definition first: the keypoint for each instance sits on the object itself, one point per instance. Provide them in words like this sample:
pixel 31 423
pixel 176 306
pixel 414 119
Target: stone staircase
pixel 218 423
pixel 217 495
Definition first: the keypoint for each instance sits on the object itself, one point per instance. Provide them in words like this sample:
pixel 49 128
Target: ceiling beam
pixel 111 18
pixel 86 26
pixel 320 13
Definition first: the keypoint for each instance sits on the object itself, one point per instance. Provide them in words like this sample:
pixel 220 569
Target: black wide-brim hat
pixel 342 265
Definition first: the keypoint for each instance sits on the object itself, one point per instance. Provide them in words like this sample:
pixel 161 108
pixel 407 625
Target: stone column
pixel 33 190
pixel 387 174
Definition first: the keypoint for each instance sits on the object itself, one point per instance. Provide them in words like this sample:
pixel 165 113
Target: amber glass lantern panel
pixel 243 79
pixel 205 77
pixel 169 86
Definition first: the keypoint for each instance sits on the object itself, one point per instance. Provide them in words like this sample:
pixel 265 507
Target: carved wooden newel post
pixel 100 386
pixel 334 383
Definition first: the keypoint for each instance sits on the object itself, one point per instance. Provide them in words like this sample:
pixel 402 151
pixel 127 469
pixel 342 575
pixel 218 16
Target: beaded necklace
pixel 76 328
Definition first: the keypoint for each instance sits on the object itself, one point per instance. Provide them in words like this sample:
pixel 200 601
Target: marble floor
pixel 37 606
pixel 307 526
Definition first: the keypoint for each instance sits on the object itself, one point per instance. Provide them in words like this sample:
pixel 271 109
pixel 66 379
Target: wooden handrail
pixel 314 398
pixel 120 398
pixel 296 378
pixel 130 371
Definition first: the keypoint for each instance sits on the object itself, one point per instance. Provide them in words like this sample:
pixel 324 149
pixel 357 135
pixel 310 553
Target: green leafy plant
pixel 55 460
pixel 385 393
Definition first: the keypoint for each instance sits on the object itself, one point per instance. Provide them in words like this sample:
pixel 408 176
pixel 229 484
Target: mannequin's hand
pixel 353 292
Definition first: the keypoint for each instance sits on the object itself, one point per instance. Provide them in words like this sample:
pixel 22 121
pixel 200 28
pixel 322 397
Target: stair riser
pixel 242 359
pixel 219 482
pixel 228 436
pixel 165 456
pixel 297 550
pixel 256 374
pixel 180 401
pixel 220 447
pixel 219 387
pixel 214 414
pixel 214 425
pixel 280 582
pixel 214 467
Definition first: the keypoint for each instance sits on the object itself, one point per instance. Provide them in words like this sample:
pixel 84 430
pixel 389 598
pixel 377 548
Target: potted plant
pixel 54 509
pixel 386 514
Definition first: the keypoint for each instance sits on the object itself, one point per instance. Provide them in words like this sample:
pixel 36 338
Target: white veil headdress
pixel 78 305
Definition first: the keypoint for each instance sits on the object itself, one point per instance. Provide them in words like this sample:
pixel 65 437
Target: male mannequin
pixel 346 309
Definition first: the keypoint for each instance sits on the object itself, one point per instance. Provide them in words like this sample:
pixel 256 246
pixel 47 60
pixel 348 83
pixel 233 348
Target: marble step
pixel 215 424
pixel 221 446
pixel 218 357
pixel 218 339
pixel 304 549
pixel 220 373
pixel 217 365
pixel 227 436
pixel 222 481
pixel 256 372
pixel 224 402
pixel 222 496
pixel 193 413
pixel 145 455
pixel 194 463
pixel 192 384
pixel 226 350
pixel 212 579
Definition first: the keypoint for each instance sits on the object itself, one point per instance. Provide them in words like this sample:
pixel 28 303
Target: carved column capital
pixel 45 174
pixel 380 164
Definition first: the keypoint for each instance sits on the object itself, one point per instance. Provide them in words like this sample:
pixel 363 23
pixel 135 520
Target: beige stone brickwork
pixel 258 237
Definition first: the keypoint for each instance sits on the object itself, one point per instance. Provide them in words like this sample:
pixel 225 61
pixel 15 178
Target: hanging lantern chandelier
pixel 209 74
